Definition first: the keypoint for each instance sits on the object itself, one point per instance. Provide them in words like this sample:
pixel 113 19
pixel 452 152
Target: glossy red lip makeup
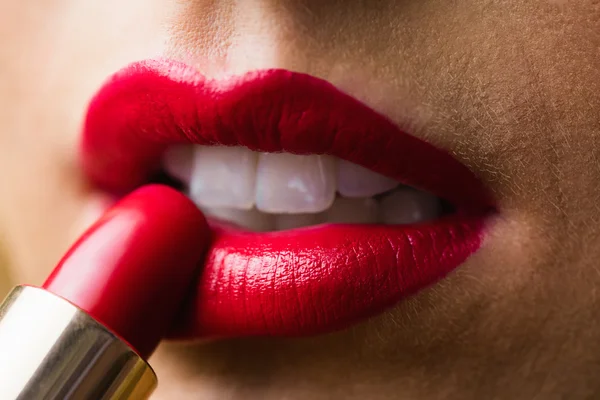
pixel 302 281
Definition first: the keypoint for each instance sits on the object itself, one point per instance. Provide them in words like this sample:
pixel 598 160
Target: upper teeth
pixel 223 177
pixel 237 178
pixel 356 181
pixel 288 183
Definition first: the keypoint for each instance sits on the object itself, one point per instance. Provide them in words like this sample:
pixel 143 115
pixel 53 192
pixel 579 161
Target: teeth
pixel 356 181
pixel 288 183
pixel 178 162
pixel 291 221
pixel 353 211
pixel 252 219
pixel 223 177
pixel 407 206
pixel 281 191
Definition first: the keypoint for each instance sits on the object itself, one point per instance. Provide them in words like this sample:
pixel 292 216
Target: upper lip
pixel 153 104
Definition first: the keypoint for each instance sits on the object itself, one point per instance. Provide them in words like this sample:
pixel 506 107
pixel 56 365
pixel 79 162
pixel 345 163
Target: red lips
pixel 297 282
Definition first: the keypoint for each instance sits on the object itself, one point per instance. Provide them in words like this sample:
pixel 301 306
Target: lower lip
pixel 319 279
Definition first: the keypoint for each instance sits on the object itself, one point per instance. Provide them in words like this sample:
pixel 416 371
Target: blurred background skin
pixel 54 55
pixel 510 87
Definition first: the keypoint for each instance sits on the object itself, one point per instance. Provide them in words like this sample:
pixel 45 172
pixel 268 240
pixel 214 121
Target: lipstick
pixel 87 332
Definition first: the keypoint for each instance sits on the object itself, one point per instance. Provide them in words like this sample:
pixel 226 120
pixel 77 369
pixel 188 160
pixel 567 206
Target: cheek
pixel 4 274
pixel 63 52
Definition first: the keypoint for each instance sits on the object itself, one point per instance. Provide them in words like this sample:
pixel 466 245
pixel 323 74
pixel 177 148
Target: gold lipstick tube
pixel 52 350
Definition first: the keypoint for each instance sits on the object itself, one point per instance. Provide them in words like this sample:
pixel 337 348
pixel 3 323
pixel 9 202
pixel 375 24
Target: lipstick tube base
pixel 50 349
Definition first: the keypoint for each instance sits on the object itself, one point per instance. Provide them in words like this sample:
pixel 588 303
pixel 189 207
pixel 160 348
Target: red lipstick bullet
pixel 87 332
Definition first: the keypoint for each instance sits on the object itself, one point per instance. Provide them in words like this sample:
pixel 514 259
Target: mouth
pixel 324 212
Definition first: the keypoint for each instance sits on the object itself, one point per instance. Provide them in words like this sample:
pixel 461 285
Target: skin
pixel 511 88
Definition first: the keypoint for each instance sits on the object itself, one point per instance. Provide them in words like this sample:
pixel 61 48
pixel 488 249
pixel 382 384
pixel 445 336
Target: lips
pixel 302 281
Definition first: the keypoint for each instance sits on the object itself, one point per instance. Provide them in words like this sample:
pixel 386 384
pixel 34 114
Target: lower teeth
pixel 401 206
